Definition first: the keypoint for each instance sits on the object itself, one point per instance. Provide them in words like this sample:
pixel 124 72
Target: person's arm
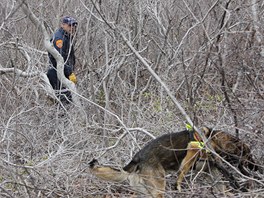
pixel 61 46
pixel 69 65
pixel 68 70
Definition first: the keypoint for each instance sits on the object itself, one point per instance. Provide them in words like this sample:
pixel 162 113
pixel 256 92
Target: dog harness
pixel 200 145
pixel 196 139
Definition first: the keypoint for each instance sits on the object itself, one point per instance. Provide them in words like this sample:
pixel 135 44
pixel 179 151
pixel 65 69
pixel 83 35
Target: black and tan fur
pixel 234 150
pixel 229 147
pixel 174 151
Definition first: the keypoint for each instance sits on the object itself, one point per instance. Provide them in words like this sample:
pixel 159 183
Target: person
pixel 63 42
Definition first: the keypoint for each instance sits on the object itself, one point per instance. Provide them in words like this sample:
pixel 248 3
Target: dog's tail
pixel 107 173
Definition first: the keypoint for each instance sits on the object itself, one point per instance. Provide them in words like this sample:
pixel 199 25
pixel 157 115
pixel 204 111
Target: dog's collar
pixel 194 136
pixel 197 137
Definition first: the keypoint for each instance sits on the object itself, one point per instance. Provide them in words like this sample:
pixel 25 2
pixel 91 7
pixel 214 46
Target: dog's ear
pixel 207 131
pixel 93 163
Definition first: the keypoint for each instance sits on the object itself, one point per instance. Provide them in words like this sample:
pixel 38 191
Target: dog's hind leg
pixel 193 151
pixel 153 180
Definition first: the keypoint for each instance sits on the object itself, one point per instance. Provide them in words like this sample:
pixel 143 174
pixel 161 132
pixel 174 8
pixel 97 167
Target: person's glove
pixel 73 78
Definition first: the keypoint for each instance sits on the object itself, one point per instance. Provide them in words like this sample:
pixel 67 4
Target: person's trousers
pixel 63 94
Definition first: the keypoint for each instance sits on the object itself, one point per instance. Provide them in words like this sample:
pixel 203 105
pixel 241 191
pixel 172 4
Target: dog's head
pixel 242 150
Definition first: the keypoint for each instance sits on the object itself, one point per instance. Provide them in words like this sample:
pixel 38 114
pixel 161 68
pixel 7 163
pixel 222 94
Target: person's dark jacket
pixel 66 49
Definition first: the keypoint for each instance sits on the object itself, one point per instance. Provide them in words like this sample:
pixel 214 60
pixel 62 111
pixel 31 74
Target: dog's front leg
pixel 188 161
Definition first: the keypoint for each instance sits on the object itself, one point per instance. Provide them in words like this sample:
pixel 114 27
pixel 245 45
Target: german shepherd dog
pixel 175 151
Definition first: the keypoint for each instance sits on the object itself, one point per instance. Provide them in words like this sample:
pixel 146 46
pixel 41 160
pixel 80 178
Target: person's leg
pixel 65 96
pixel 52 76
pixel 62 93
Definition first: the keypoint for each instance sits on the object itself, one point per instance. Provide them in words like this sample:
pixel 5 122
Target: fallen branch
pixel 46 85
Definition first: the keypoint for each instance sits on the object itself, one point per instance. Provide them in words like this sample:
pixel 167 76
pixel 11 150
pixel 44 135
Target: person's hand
pixel 73 78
